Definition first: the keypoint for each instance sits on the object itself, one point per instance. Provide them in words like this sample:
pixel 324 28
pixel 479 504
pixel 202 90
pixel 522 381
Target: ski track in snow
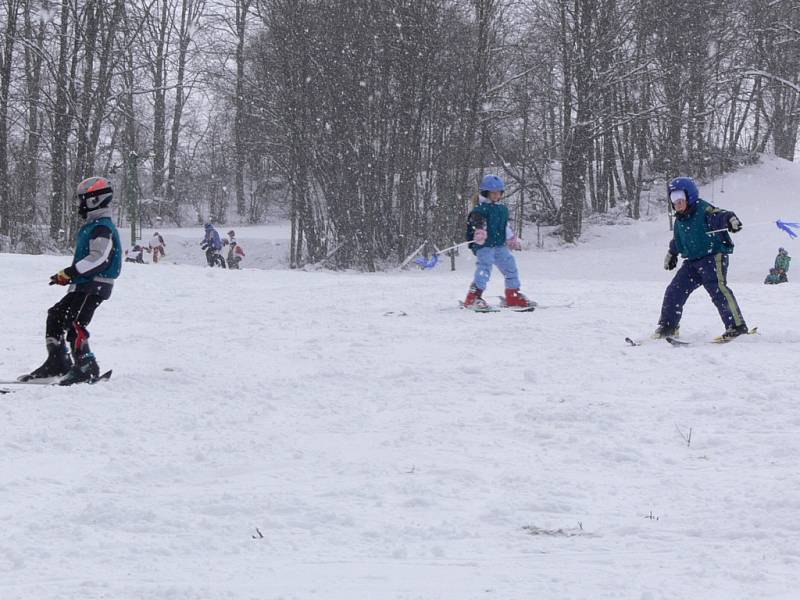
pixel 401 456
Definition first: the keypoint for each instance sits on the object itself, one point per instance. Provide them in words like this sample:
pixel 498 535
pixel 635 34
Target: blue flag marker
pixel 428 263
pixel 788 227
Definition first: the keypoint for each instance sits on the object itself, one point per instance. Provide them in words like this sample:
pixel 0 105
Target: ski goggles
pixel 676 196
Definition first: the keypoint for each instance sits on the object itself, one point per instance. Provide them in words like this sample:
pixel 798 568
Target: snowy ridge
pixel 436 454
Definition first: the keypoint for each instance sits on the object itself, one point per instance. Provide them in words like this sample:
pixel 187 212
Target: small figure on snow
pixel 212 245
pixel 156 245
pixel 90 277
pixel 492 241
pixel 135 254
pixel 235 250
pixel 778 273
pixel 701 236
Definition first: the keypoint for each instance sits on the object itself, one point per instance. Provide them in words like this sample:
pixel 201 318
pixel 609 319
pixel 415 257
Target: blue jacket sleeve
pixel 718 218
pixel 673 247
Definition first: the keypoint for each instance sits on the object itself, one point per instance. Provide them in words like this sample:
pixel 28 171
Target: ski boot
pixel 474 299
pixel 665 331
pixel 734 332
pixel 516 299
pixel 85 369
pixel 57 364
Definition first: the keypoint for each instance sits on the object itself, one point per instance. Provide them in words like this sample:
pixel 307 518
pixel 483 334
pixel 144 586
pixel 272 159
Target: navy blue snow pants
pixel 710 272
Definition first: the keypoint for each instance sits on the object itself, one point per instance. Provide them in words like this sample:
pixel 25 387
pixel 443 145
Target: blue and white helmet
pixel 688 186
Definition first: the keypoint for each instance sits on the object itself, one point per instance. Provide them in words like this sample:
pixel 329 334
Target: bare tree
pixel 34 29
pixel 11 9
pixel 158 31
pixel 190 14
pixel 777 27
pixel 577 47
pixel 242 8
pixel 61 116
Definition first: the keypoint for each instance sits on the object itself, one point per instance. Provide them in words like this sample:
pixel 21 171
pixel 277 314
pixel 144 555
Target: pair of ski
pixel 49 381
pixel 492 309
pixel 503 306
pixel 681 343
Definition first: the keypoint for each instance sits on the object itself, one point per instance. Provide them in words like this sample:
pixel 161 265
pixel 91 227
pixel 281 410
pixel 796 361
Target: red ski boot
pixel 518 300
pixel 474 300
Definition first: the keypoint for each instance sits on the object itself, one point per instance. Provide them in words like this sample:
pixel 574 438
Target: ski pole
pixel 434 259
pixel 452 247
pixel 778 223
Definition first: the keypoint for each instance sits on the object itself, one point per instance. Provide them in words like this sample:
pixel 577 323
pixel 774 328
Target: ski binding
pixel 487 309
pixel 530 308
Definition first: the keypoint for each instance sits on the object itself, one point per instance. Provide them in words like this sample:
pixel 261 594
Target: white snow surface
pixel 388 445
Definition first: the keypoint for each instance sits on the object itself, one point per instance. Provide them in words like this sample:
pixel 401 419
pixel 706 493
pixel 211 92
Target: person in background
pixel 135 254
pixel 156 246
pixel 235 250
pixel 212 245
pixel 778 273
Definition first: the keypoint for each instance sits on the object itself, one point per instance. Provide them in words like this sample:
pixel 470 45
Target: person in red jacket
pixel 235 250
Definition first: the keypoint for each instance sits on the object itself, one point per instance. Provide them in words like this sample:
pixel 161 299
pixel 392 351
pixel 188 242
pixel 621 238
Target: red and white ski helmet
pixel 93 193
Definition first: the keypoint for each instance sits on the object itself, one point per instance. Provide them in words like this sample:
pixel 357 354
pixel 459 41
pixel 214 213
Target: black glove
pixel 670 261
pixel 734 224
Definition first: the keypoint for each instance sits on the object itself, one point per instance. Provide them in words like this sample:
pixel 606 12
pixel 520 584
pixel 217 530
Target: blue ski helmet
pixel 492 183
pixel 688 186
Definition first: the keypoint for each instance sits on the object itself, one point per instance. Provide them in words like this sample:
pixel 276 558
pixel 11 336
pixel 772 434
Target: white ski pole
pixel 713 231
pixel 452 247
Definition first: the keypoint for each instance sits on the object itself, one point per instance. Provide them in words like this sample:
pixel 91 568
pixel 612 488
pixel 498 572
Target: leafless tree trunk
pixel 11 8
pixel 577 66
pixel 34 53
pixel 159 32
pixel 191 11
pixel 242 9
pixel 62 118
pixel 129 147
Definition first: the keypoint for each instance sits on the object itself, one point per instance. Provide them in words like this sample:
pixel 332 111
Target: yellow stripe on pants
pixel 732 305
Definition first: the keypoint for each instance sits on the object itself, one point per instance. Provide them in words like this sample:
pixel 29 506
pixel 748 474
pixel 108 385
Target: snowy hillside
pixel 388 445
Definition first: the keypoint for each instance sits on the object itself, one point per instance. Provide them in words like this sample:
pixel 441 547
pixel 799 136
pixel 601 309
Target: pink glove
pixel 514 243
pixel 479 237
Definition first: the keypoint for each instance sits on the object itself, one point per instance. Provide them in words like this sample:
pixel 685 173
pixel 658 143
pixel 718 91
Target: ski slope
pixel 276 434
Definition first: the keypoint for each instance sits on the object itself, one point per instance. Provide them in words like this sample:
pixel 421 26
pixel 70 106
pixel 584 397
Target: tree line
pixel 371 121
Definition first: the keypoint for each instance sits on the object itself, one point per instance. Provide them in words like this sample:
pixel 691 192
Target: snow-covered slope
pixel 387 445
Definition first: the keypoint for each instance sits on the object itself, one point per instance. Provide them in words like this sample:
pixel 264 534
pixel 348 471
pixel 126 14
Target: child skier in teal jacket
pixel 700 235
pixel 96 264
pixel 491 237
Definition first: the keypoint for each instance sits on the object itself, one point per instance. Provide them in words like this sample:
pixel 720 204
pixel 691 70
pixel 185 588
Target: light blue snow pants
pixel 500 256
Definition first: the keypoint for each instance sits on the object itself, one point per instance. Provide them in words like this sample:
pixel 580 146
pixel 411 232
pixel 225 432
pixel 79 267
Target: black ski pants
pixel 72 314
